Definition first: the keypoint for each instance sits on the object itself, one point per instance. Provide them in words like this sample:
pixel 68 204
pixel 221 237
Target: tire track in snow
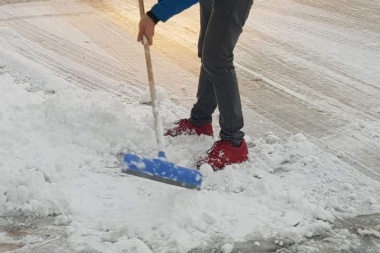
pixel 12 2
pixel 329 135
pixel 317 58
pixel 332 77
pixel 43 16
pixel 363 13
pixel 321 83
pixel 308 35
pixel 71 52
pixel 73 75
pixel 74 52
pixel 307 22
pixel 303 92
pixel 77 77
pixel 299 14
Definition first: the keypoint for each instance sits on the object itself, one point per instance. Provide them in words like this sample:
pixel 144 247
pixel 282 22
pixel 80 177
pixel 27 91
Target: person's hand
pixel 146 27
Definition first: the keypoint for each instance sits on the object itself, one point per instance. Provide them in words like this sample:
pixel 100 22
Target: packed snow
pixel 59 148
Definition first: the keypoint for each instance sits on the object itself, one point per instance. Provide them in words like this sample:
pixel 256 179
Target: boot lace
pixel 181 121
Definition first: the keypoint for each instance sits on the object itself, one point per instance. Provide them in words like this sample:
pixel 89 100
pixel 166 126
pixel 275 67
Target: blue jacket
pixel 166 9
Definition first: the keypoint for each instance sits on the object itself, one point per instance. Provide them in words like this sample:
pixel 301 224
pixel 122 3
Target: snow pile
pixel 58 147
pixel 49 132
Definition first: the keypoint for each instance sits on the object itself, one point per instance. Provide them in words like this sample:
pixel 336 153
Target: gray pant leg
pixel 221 27
pixel 206 100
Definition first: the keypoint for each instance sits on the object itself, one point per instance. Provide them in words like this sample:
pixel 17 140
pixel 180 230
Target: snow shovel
pixel 158 169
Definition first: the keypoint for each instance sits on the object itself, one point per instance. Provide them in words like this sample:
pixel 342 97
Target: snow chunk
pixel 370 200
pixel 368 231
pixel 299 137
pixel 206 169
pixel 127 245
pixel 340 154
pixel 271 138
pixel 145 98
pixel 62 220
pixel 292 218
pixel 227 248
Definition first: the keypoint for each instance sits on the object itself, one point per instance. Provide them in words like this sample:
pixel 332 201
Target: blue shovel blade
pixel 159 169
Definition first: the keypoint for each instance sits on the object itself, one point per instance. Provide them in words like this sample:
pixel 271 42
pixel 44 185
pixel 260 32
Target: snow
pixel 227 248
pixel 161 95
pixel 58 149
pixel 58 157
pixel 373 232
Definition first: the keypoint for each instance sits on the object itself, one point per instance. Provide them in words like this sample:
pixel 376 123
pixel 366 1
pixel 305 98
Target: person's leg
pixel 224 27
pixel 203 109
pixel 201 114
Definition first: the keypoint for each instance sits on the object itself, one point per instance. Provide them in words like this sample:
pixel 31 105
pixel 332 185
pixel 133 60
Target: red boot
pixel 223 153
pixel 185 127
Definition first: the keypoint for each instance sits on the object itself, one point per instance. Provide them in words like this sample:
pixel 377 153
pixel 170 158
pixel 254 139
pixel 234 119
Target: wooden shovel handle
pixel 152 88
pixel 141 7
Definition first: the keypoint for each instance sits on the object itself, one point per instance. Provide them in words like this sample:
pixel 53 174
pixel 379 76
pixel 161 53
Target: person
pixel 221 23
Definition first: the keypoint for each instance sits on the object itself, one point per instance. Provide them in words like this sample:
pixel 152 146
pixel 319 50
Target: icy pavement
pixel 353 235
